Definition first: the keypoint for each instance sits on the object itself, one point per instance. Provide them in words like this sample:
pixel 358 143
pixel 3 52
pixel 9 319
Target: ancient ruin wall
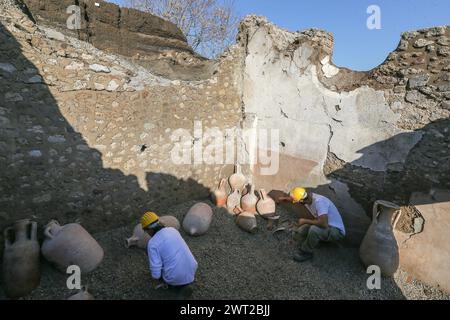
pixel 289 84
pixel 86 135
pixel 111 28
pixel 361 135
pixel 142 38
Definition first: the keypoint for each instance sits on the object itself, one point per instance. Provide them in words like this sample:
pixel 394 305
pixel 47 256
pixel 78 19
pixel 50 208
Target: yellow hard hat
pixel 298 194
pixel 148 218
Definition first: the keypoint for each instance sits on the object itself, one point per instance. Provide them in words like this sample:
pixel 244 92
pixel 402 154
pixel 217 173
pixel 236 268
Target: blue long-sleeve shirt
pixel 170 257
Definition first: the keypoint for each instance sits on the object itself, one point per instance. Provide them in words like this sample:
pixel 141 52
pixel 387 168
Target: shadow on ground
pixel 232 265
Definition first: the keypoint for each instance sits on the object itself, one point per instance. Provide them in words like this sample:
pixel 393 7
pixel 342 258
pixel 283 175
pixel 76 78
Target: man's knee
pixel 301 233
pixel 316 232
pixel 336 235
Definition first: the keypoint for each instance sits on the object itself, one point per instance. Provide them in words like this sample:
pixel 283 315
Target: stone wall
pixel 424 250
pixel 372 135
pixel 141 37
pixel 111 28
pixel 86 136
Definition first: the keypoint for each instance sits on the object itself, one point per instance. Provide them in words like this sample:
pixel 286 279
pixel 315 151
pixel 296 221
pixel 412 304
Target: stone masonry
pixel 86 135
pixel 143 38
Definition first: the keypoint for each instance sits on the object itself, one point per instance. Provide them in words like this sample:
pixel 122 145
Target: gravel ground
pixel 236 265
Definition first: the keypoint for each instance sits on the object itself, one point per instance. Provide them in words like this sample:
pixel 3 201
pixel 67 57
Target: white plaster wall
pixel 283 90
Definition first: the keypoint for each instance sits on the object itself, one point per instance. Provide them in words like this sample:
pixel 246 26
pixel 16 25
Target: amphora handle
pixel 375 212
pixel 48 231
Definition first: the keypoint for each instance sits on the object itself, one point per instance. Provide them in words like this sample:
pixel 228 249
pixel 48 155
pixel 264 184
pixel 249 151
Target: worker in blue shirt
pixel 327 224
pixel 171 261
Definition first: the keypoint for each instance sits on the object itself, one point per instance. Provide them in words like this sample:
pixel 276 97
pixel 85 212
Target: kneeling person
pixel 327 225
pixel 170 259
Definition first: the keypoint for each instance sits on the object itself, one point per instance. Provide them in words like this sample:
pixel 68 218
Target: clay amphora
pixel 379 246
pixel 69 245
pixel 21 270
pixel 237 179
pixel 245 190
pixel 234 200
pixel 265 206
pixel 220 194
pixel 198 219
pixel 83 294
pixel 139 239
pixel 248 202
pixel 170 221
pixel 246 220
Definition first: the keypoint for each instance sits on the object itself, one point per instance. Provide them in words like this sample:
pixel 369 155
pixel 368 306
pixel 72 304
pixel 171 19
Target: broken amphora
pixel 246 220
pixel 69 245
pixel 83 294
pixel 198 219
pixel 170 221
pixel 139 239
pixel 379 246
pixel 21 269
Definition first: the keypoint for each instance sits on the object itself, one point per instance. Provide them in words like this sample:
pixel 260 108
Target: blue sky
pixel 356 47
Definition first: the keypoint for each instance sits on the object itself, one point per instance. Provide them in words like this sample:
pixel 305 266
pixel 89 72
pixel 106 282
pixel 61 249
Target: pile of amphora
pixel 243 202
pixel 63 246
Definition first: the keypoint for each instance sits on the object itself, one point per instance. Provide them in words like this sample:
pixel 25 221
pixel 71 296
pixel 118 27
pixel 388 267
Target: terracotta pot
pixel 198 219
pixel 246 220
pixel 234 200
pixel 139 239
pixel 170 221
pixel 248 202
pixel 245 190
pixel 220 194
pixel 69 245
pixel 21 269
pixel 266 206
pixel 83 294
pixel 237 179
pixel 379 246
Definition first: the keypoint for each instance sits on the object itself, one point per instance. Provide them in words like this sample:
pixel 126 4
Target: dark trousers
pixel 310 236
pixel 181 292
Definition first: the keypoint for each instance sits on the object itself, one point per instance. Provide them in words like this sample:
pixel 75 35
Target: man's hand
pixel 161 284
pixel 303 221
pixel 321 222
